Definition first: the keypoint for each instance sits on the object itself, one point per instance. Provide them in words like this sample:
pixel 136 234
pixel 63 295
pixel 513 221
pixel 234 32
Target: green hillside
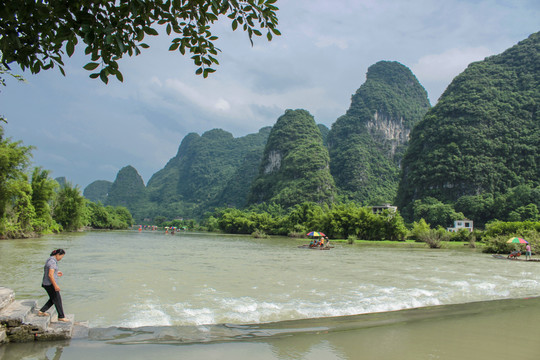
pixel 205 173
pixel 128 190
pixel 295 164
pixel 367 143
pixel 483 135
pixel 97 191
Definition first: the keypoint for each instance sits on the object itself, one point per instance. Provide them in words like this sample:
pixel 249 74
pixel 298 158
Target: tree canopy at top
pixel 35 34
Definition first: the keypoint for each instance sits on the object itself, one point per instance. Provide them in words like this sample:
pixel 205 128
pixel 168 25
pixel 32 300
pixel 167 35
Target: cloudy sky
pixel 85 130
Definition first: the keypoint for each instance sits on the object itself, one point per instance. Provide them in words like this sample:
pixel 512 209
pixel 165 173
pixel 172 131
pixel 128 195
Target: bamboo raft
pixel 314 247
pixel 502 257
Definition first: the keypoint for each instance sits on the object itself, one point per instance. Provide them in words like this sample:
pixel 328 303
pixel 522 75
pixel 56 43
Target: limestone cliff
pixel 367 143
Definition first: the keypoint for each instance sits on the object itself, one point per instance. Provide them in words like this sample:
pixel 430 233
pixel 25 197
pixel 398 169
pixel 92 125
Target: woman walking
pixel 49 283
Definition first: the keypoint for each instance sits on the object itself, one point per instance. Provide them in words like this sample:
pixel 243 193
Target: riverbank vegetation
pixel 32 203
pixel 497 234
pixel 336 221
pixel 354 224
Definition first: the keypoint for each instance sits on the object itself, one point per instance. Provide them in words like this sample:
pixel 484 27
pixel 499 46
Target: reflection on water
pixel 228 297
pixel 35 350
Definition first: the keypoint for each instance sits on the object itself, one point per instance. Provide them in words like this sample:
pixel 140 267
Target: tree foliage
pixel 25 204
pixel 498 232
pixel 108 217
pixel 483 135
pixel 14 160
pixel 37 34
pixel 43 195
pixel 337 221
pixel 70 208
pixel 436 213
pixel 295 164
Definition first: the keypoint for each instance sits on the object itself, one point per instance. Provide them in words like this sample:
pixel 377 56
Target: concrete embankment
pixel 19 321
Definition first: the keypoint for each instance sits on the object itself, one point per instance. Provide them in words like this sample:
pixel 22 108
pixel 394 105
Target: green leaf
pixel 150 31
pixel 70 48
pixel 91 66
pixel 119 76
pixel 104 77
pixel 208 71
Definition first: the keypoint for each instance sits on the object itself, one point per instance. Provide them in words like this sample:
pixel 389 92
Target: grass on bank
pixel 406 244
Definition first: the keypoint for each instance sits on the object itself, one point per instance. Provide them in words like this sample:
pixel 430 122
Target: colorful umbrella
pixel 517 240
pixel 315 233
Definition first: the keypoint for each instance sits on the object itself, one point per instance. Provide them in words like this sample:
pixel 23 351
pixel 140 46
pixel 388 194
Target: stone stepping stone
pixel 40 323
pixel 6 297
pixel 15 313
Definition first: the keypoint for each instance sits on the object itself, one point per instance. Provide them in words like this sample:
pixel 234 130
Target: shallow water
pixel 237 297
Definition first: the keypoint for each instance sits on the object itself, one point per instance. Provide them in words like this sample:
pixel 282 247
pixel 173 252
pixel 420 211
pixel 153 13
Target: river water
pixel 206 296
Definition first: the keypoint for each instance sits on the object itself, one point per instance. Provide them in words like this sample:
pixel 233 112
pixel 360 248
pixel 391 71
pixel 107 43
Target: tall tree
pixel 34 34
pixel 14 159
pixel 43 193
pixel 70 208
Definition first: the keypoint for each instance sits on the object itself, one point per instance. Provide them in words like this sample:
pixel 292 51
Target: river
pixel 206 296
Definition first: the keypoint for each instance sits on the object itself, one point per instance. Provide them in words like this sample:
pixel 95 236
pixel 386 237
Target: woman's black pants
pixel 54 299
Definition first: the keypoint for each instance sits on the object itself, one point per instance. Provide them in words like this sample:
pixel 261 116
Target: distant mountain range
pixel 481 137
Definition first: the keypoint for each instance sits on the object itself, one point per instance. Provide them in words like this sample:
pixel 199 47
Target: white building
pixel 461 224
pixel 381 208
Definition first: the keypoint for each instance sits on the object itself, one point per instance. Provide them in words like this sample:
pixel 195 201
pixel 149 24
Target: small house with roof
pixel 381 208
pixel 461 224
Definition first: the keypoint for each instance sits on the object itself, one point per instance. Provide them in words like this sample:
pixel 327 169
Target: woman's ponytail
pixel 58 252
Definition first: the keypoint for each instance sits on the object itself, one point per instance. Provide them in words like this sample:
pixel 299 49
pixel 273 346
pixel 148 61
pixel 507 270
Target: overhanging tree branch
pixel 37 34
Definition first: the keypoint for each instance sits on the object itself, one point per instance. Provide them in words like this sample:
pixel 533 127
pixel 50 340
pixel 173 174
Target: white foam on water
pixel 147 313
pixel 215 306
pixel 193 316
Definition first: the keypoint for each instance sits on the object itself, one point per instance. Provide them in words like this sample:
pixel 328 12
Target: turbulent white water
pixel 133 279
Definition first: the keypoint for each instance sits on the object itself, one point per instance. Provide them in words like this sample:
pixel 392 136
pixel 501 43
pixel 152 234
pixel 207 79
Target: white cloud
pixel 222 105
pixel 448 64
pixel 318 62
pixel 328 41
